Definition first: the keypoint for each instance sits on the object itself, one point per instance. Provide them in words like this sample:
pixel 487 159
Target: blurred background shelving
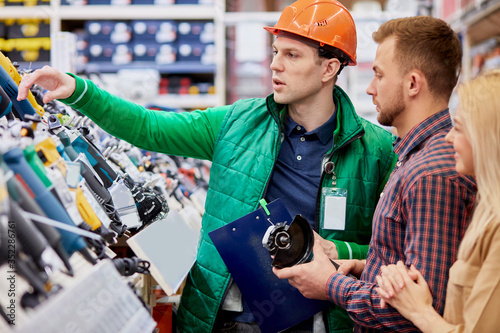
pixel 211 52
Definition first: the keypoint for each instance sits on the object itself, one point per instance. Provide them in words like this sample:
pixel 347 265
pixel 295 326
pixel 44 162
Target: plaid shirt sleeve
pixel 434 212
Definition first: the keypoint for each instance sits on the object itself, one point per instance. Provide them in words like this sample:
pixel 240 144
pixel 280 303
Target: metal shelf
pixel 13 12
pixel 181 67
pixel 233 18
pixel 105 12
pixel 133 12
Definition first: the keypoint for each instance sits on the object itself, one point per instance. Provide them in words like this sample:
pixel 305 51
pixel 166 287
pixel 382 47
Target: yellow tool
pixel 86 211
pixel 49 149
pixel 14 74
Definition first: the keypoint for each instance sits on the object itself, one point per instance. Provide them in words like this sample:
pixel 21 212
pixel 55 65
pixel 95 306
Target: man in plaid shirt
pixel 425 206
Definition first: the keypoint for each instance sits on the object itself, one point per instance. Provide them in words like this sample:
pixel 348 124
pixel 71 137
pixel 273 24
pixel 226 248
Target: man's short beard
pixel 386 117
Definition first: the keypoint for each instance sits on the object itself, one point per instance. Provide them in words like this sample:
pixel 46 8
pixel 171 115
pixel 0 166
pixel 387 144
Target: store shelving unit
pixel 59 14
pixel 475 20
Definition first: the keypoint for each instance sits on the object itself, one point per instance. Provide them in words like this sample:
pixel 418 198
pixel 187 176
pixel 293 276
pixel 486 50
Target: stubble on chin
pixel 384 120
pixel 387 118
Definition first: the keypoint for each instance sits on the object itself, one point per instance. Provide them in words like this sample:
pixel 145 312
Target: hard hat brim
pixel 275 31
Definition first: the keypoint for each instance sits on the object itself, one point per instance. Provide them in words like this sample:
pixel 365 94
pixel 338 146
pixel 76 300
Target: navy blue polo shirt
pixel 297 173
pixel 296 178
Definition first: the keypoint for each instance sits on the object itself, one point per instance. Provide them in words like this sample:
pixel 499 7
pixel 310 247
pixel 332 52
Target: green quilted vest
pixel 244 154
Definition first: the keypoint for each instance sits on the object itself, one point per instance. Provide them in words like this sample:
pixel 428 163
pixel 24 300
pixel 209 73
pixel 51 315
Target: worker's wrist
pixel 80 88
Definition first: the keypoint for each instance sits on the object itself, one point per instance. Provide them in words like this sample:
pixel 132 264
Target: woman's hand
pixel 406 290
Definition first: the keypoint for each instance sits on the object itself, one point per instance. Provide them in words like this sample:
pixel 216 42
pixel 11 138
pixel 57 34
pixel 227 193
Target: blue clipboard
pixel 275 304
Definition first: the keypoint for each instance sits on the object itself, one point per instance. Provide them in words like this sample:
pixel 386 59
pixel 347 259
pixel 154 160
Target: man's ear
pixel 331 69
pixel 415 82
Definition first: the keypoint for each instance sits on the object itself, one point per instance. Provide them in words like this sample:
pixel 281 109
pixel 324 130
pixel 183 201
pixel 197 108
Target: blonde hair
pixel 480 107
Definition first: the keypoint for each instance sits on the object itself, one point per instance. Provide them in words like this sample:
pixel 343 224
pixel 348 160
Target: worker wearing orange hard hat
pixel 303 144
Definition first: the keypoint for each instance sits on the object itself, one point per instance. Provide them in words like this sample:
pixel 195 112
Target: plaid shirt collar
pixel 421 132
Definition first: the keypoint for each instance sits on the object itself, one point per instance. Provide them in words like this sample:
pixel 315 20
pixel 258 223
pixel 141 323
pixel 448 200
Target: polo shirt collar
pixel 324 132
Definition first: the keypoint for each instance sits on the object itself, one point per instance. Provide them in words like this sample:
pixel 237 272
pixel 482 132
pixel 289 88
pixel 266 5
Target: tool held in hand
pixel 290 244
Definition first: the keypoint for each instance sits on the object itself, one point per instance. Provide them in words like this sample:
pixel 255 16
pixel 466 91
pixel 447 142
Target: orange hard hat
pixel 327 22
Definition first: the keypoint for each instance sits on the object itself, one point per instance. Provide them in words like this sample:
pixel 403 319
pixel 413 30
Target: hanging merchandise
pixel 9 80
pixel 69 192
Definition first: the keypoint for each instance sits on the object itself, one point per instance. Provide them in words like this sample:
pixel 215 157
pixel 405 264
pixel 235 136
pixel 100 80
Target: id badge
pixel 334 202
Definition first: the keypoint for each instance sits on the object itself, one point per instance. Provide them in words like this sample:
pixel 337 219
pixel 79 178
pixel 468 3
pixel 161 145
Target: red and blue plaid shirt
pixel 420 219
